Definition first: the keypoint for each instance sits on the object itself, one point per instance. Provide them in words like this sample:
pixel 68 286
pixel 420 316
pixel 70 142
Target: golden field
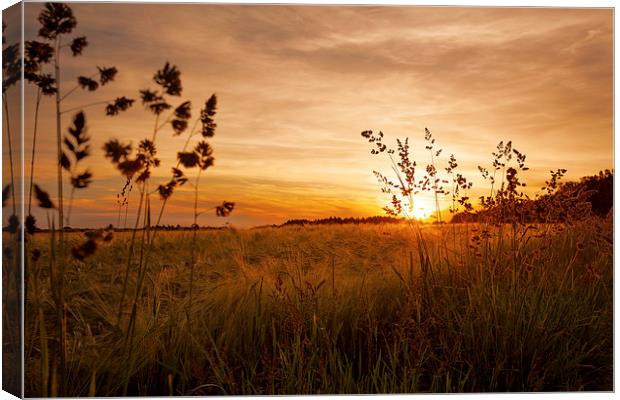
pixel 334 309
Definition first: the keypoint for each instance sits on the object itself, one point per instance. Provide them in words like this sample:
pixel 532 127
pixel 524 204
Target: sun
pixel 419 213
pixel 422 209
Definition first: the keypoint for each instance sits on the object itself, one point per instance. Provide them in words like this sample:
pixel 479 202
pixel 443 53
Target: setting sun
pixel 421 210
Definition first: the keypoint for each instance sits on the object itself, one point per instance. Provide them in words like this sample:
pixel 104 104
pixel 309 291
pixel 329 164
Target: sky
pixel 297 84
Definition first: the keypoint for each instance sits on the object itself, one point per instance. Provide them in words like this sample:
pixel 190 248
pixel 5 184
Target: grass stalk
pixel 5 101
pixel 60 306
pixel 34 146
pixel 132 242
pixel 193 248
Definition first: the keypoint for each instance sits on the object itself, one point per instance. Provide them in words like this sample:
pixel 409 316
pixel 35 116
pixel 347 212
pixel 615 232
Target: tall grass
pixel 138 168
pixel 344 309
pixel 56 23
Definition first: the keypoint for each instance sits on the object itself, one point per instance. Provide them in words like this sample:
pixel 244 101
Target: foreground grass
pixel 340 309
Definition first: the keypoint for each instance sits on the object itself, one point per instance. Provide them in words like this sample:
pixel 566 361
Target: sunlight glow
pixel 419 213
pixel 422 209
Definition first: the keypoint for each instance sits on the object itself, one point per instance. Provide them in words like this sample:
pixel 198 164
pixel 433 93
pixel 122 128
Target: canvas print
pixel 227 199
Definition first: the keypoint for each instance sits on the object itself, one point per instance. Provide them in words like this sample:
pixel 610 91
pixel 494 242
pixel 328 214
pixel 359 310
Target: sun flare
pixel 419 208
pixel 419 213
pixel 422 208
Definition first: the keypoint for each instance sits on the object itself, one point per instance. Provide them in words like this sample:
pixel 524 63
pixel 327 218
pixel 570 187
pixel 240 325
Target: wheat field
pixel 338 309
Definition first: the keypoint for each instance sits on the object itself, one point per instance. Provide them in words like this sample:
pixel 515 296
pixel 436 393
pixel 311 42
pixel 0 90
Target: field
pixel 334 309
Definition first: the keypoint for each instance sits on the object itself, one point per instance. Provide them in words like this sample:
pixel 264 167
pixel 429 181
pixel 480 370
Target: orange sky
pixel 297 85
